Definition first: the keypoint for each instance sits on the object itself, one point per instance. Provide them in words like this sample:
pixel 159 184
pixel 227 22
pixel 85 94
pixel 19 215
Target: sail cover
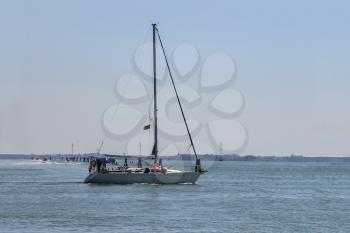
pixel 154 150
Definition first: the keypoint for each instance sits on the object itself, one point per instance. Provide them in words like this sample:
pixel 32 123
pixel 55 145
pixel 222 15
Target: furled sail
pixel 154 150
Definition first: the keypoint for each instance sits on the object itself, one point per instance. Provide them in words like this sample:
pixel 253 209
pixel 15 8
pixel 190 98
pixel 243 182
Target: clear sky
pixel 59 61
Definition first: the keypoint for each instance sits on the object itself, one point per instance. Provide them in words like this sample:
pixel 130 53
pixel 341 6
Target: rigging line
pixel 143 160
pixel 142 48
pixel 118 101
pixel 124 90
pixel 114 112
pixel 188 149
pixel 177 96
pixel 127 84
pixel 101 145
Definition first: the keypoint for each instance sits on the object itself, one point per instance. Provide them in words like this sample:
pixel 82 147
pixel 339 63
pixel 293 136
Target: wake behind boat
pixel 154 173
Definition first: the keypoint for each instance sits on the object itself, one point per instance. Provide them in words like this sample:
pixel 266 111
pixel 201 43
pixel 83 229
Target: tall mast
pixel 155 148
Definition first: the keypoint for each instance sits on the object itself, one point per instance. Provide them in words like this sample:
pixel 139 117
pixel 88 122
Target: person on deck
pixel 98 163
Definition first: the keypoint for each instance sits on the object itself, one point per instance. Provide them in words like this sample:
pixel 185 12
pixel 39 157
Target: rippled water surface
pixel 231 197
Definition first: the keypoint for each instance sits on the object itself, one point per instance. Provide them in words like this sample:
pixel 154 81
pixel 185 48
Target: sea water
pixel 231 197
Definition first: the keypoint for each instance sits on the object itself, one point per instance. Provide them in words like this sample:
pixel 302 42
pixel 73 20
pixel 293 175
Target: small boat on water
pixel 44 160
pixel 154 173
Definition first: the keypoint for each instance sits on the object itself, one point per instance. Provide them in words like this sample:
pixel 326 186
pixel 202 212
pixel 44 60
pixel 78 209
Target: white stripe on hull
pixel 148 178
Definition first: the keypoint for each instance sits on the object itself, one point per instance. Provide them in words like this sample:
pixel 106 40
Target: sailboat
pixel 154 173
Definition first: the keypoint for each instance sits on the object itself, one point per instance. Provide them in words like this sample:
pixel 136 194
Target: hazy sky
pixel 59 61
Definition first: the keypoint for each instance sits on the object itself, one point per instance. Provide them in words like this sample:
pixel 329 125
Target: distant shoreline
pixel 204 157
